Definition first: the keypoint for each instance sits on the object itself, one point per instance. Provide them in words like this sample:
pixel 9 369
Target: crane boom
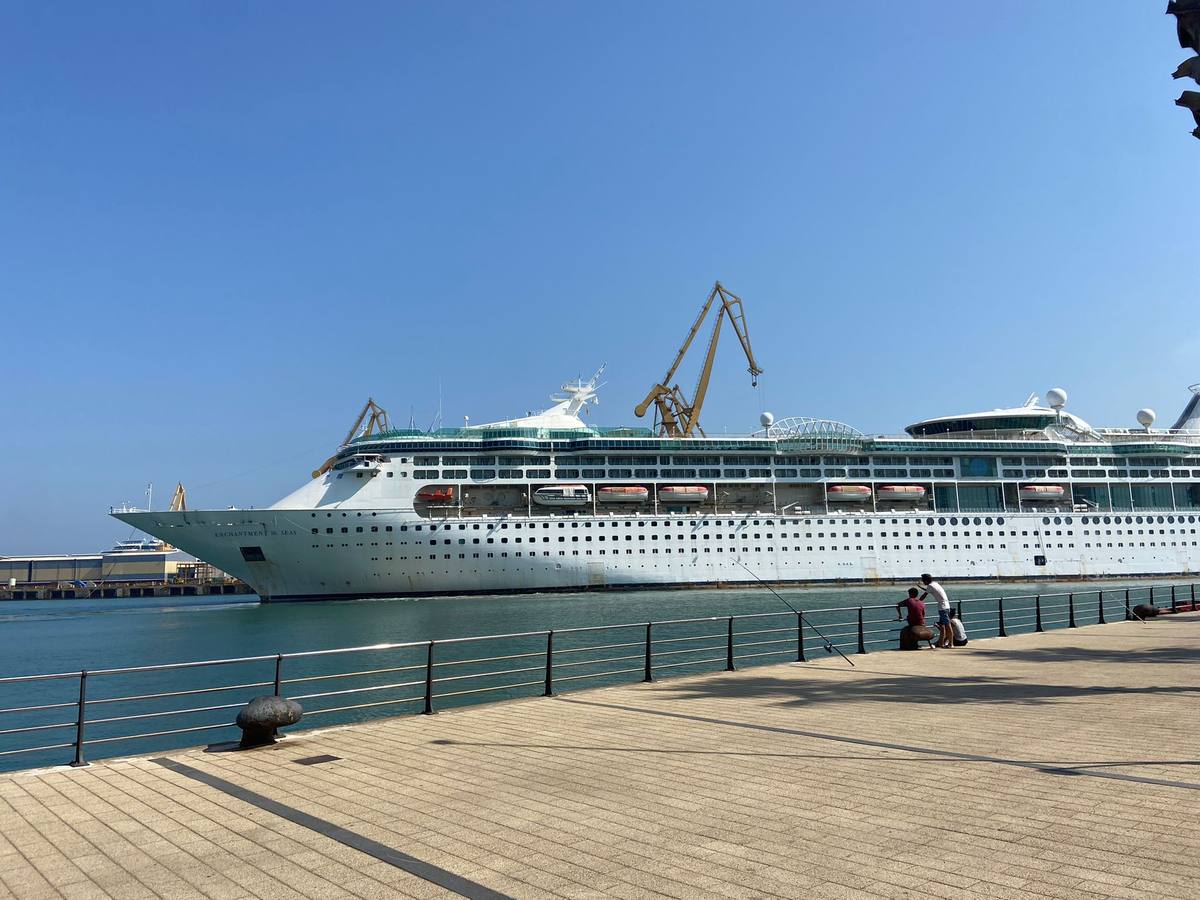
pixel 378 421
pixel 675 416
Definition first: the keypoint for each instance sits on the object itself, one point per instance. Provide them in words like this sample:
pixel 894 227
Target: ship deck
pixel 1060 764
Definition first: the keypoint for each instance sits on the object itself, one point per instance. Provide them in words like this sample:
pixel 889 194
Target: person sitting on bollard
pixel 959 629
pixel 946 636
pixel 916 618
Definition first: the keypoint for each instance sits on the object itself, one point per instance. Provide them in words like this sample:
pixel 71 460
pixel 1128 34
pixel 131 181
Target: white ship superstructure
pixel 548 502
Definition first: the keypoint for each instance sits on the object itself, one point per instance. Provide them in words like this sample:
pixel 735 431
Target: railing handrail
pixel 367 648
pixel 846 626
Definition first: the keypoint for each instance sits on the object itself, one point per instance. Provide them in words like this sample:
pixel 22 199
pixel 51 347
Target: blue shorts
pixel 943 617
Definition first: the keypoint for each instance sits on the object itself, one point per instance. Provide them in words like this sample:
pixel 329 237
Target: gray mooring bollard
pixel 260 718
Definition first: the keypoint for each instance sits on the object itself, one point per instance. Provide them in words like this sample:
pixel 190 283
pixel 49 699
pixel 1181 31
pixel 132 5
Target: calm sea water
pixel 70 635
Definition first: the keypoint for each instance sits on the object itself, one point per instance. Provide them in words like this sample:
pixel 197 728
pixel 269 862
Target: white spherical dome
pixel 1146 417
pixel 767 419
pixel 1056 397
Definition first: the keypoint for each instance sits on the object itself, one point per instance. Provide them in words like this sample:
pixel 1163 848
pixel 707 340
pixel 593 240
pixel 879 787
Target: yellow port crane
pixel 674 416
pixel 378 421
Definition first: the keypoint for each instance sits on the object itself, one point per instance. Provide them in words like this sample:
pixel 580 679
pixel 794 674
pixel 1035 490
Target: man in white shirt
pixel 945 635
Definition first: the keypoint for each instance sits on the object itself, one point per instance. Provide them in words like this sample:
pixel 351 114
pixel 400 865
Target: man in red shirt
pixel 915 607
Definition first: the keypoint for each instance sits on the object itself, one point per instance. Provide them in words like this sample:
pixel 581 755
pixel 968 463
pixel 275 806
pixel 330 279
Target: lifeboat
pixel 900 492
pixel 684 493
pixel 841 492
pixel 622 494
pixel 562 495
pixel 1042 492
pixel 436 494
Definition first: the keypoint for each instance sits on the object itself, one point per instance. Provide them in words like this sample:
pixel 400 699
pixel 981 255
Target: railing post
pixel 1173 606
pixel 862 645
pixel 279 675
pixel 1100 609
pixel 1000 616
pixel 1037 609
pixel 800 637
pixel 1128 611
pixel 429 680
pixel 549 691
pixel 649 676
pixel 1194 598
pixel 1151 595
pixel 1071 610
pixel 81 721
pixel 729 648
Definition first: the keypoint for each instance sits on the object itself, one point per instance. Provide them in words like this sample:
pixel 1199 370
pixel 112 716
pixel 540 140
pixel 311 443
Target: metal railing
pixel 115 710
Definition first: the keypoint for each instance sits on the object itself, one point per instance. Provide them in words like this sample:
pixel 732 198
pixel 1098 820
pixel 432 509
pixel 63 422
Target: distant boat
pixel 687 493
pixel 904 492
pixel 622 494
pixel 1042 492
pixel 562 495
pixel 852 492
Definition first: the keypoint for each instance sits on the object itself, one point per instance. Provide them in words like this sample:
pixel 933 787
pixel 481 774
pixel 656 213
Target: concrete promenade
pixel 1062 764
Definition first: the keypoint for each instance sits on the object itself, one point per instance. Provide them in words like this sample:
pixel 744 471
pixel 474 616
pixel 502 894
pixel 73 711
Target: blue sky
pixel 222 226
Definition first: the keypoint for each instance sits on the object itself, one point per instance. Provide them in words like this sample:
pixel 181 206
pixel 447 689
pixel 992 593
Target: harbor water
pixel 64 636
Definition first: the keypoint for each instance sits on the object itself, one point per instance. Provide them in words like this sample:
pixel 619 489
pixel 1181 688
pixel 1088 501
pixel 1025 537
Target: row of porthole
pixel 1117 520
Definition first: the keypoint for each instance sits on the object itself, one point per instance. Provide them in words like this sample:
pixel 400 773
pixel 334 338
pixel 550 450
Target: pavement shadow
pixel 1170 655
pixel 906 688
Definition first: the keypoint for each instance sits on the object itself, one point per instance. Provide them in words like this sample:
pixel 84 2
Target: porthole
pixel 1045 520
pixel 942 520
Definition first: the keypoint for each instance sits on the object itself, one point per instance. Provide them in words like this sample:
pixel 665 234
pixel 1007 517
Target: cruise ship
pixel 549 502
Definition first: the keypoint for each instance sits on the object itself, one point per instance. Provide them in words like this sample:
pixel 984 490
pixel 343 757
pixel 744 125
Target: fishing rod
pixel 830 646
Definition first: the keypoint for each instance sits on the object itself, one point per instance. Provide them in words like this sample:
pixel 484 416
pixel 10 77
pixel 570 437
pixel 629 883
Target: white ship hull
pixel 554 553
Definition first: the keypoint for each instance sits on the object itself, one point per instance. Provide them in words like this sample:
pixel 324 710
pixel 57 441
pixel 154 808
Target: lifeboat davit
pixel 684 493
pixel 900 492
pixel 1042 492
pixel 622 494
pixel 562 495
pixel 438 494
pixel 840 492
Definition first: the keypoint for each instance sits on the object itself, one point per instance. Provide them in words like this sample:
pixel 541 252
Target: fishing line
pixel 830 646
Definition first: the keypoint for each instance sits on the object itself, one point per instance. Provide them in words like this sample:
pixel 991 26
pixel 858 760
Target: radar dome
pixel 767 419
pixel 1146 417
pixel 1056 397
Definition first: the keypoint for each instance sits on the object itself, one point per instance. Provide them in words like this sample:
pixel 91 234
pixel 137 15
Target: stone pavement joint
pixel 1060 765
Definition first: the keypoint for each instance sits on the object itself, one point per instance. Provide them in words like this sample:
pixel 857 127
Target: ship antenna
pixel 830 646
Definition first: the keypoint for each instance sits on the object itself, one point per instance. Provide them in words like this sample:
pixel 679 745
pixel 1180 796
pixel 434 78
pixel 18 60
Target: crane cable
pixel 830 646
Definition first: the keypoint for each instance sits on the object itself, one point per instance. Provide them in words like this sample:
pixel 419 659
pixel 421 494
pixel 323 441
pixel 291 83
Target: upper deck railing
pixel 70 716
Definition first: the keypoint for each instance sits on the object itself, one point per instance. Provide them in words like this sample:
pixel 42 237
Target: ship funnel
pixel 1189 419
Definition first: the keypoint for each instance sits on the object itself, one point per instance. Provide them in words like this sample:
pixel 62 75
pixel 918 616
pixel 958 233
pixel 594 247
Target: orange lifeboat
pixel 622 494
pixel 436 494
pixel 684 493
pixel 1042 492
pixel 853 492
pixel 900 492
